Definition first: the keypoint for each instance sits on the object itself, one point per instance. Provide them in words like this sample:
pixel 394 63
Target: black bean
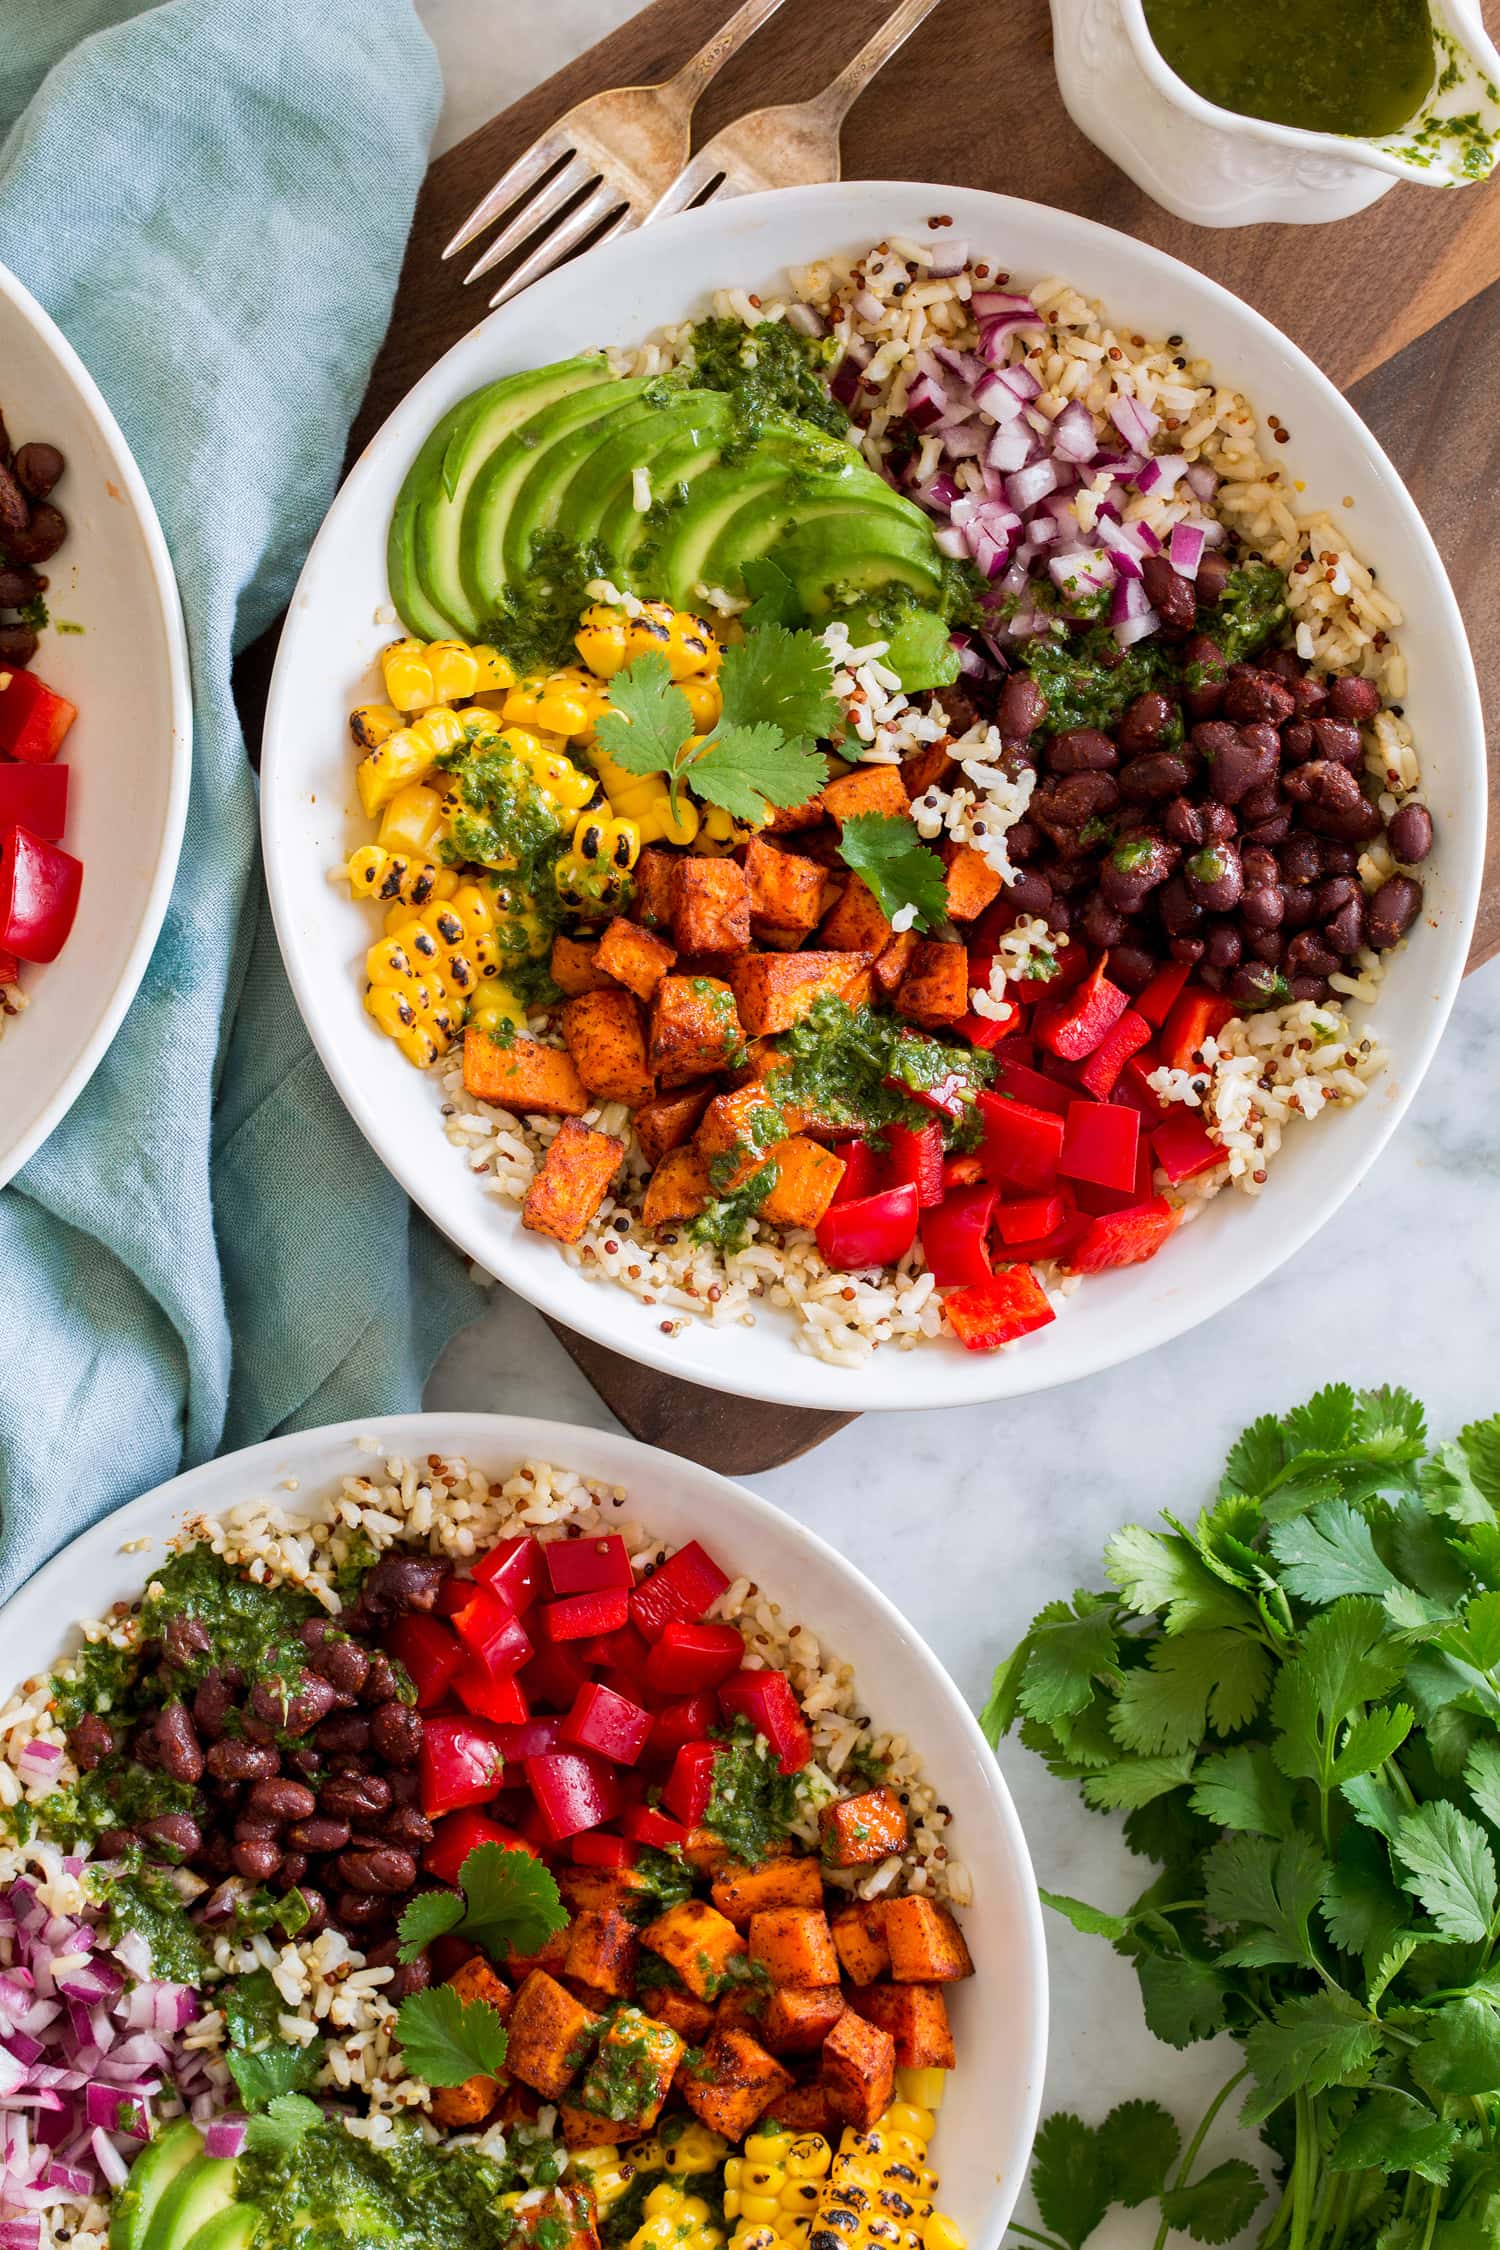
pixel 18 645
pixel 1334 892
pixel 1031 893
pixel 293 1706
pixel 1020 708
pixel 1062 809
pixel 404 1582
pixel 359 1909
pixel 317 1911
pixel 1265 945
pixel 1301 859
pixel 42 537
pixel 355 1797
pixel 232 1760
pixel 380 1680
pixel 1205 674
pixel 293 1867
pixel 1308 956
pixel 15 510
pixel 1353 699
pixel 1144 722
pixel 18 586
pixel 1223 946
pixel 177 1744
pixel 1409 834
pixel 1157 775
pixel 1181 913
pixel 407 1824
pixel 1263 908
pixel 304 1761
pixel 1256 983
pixel 1189 949
pixel 1254 694
pixel 1240 759
pixel 1299 909
pixel 253 1827
pixel 396 1734
pixel 1322 783
pixel 1260 867
pixel 1296 743
pixel 389 1870
pixel 320 1833
pixel 91 1741
pixel 176 1835
pixel 1310 988
pixel 1340 740
pixel 212 1705
pixel 1337 859
pixel 1131 967
pixel 1082 750
pixel 1213 576
pixel 1392 910
pixel 1134 868
pixel 343 1664
pixel 257 1858
pixel 38 467
pixel 112 1843
pixel 1172 596
pixel 1183 821
pixel 1345 931
pixel 1102 924
pixel 282 1800
pixel 348 1734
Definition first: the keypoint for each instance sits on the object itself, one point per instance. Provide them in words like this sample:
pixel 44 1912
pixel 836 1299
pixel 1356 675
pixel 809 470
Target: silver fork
pixel 623 146
pixel 795 144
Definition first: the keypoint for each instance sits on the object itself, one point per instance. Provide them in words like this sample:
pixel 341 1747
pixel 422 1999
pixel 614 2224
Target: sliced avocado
pixel 556 470
pixel 845 515
pixel 419 613
pixel 233 2229
pixel 856 557
pixel 152 2173
pixel 630 537
pixel 200 2191
pixel 919 645
pixel 693 424
pixel 679 560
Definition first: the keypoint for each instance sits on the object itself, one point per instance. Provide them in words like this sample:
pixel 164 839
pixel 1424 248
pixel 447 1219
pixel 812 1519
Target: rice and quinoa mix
pixel 442 1506
pixel 1265 1068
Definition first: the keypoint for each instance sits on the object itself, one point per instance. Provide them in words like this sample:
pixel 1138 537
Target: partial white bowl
pixel 999 2017
pixel 129 752
pixel 341 616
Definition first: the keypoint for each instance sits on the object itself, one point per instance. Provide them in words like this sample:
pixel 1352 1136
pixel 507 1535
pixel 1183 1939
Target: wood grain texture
pixel 1400 305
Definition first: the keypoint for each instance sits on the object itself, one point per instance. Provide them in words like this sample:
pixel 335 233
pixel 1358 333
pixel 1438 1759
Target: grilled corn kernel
pixel 565 703
pixel 645 799
pixel 371 723
pixel 609 638
pixel 609 2173
pixel 705 701
pixel 774 2188
pixel 940 2233
pixel 406 756
pixel 398 879
pixel 595 872
pixel 879 2189
pixel 675 2221
pixel 418 673
pixel 719 833
pixel 412 821
pixel 697 2148
pixel 494 1006
pixel 923 2088
pixel 433 963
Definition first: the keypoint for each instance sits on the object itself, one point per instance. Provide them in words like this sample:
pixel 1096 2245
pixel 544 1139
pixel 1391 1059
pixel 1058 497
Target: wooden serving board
pixel 1401 307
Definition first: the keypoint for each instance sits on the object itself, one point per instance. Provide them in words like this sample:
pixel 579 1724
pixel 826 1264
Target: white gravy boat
pixel 1220 169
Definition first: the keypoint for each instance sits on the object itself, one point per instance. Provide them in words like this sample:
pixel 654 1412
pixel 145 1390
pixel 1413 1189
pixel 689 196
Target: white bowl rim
pixel 179 749
pixel 592 1309
pixel 263 1470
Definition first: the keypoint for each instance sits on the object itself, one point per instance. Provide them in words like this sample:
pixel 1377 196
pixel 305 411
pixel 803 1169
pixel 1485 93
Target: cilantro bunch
pixel 507 1902
pixel 1295 1702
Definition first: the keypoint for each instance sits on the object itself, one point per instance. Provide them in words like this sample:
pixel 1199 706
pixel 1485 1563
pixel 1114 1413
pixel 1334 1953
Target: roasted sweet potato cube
pixel 695 1029
pixel 691 2019
pixel 606 1038
pixel 859 2070
pixel 742 1891
pixel 972 883
pixel 602 1947
pixel 582 2129
pixel 551 2034
pixel 734 2082
pixel 787 818
pixel 518 1966
pixel 929 769
pixel 927 1945
pixel 916 2016
pixel 807 1178
pixel 775 990
pixel 935 988
pixel 634 956
pixel 678 1188
pixel 738 1132
pixel 698 1942
pixel 804 2109
pixel 573 1181
pixel 575 967
pixel 459 2108
pixel 667 1120
pixel 857 1831
pixel 857 923
pixel 868 789
pixel 742 2008
pixel 860 1939
pixel 786 890
pixel 706 1853
pixel 533 1080
pixel 599 1888
pixel 651 900
pixel 710 906
pixel 794 1945
pixel 632 2069
pixel 892 965
pixel 799 2017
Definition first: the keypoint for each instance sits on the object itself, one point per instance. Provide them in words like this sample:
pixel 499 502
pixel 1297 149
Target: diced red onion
pixel 970 663
pixel 843 383
pixel 1135 423
pixel 947 257
pixel 1073 433
pixel 38 1761
pixel 964 441
pixel 1160 473
pixel 926 403
pixel 1022 381
pixel 225 2137
pixel 806 319
pixel 21 2234
pixel 1185 548
pixel 996 398
pixel 1079 571
pixel 1010 448
pixel 949 540
pixel 1202 479
pixel 990 304
pixel 1027 486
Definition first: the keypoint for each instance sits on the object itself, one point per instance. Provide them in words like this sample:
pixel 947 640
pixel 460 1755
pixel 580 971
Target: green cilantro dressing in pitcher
pixel 1335 66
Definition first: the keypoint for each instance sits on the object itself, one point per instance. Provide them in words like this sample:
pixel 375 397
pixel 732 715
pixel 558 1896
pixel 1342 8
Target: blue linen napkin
pixel 212 201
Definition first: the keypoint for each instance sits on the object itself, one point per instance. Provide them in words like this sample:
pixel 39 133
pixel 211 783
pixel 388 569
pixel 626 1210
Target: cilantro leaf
pixel 1218 2206
pixel 1315 2041
pixel 649 718
pixel 1394 2132
pixel 1186 1686
pixel 1372 1739
pixel 1244 1788
pixel 429 1916
pixel 1450 1868
pixel 1183 1997
pixel 447 2041
pixel 783 679
pixel 1329 1553
pixel 1345 1659
pixel 1482 1773
pixel 776 599
pixel 262 2063
pixel 1256 1459
pixel 287 2120
pixel 510 1904
pixel 1136 1781
pixel 887 854
pixel 1462 1480
pixel 1460 2055
pixel 1138 2141
pixel 747 765
pixel 1091 1920
pixel 1070 2178
pixel 1268 1890
pixel 1158 1573
pixel 1067 1651
pixel 1363 1911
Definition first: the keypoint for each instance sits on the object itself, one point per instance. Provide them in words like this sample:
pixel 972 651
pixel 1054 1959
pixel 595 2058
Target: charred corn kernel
pixel 398 879
pixel 418 673
pixel 924 2088
pixel 645 799
pixel 408 998
pixel 610 2172
pixel 564 785
pixel 675 2220
pixel 719 833
pixel 565 703
pixel 406 756
pixel 705 701
pixel 941 2234
pixel 609 638
pixel 697 2148
pixel 774 2186
pixel 412 821
pixel 595 872
pixel 879 2189
pixel 397 1017
pixel 494 1005
pixel 371 723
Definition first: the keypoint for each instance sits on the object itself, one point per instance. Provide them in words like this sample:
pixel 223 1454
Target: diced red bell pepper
pixel 997 1311
pixel 554 1675
pixel 462 1763
pixel 878 1230
pixel 689 1658
pixel 1096 1200
pixel 587 1566
pixel 686 1585
pixel 608 1723
pixel 690 1782
pixel 10 969
pixel 961 1171
pixel 39 889
pixel 1100 1143
pixel 33 718
pixel 687 1720
pixel 1125 1238
pixel 1102 1070
pixel 35 797
pixel 1030 1217
pixel 1183 1147
pixel 1157 999
pixel 1074 1025
pixel 622 1651
pixel 1056 1245
pixel 947 1096
pixel 861 1170
pixel 915 1155
pixel 427 1652
pixel 489 1695
pixel 1034 1087
pixel 953 1237
pixel 644 1825
pixel 490 1629
pixel 985 1032
pixel 769 1701
pixel 531 1738
pixel 1195 1016
pixel 513 1569
pixel 597 1847
pixel 462 1833
pixel 1021 1145
pixel 577 1617
pixel 573 1791
pixel 1135 1089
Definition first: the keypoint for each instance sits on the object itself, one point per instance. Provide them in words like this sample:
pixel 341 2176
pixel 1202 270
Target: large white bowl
pixel 129 752
pixel 999 2018
pixel 340 617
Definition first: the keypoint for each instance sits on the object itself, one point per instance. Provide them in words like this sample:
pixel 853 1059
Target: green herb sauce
pixel 842 1061
pixel 1088 679
pixel 768 370
pixel 661 1879
pixel 725 1223
pixel 752 1804
pixel 332 2191
pixel 249 1626
pixel 503 820
pixel 144 1899
pixel 535 625
pixel 1343 66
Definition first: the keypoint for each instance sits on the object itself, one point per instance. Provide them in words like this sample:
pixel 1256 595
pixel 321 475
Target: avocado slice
pixel 555 471
pixel 680 559
pixel 152 2173
pixel 419 613
pixel 919 645
pixel 200 2191
pixel 232 2229
pixel 694 423
pixel 631 538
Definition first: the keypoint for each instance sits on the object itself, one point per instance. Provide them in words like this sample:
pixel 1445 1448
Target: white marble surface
pixel 972 1520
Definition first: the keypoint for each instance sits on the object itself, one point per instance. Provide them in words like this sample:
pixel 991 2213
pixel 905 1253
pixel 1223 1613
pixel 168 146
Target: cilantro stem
pixel 1190 2154
pixel 1434 2205
pixel 1032 2235
pixel 1303 2169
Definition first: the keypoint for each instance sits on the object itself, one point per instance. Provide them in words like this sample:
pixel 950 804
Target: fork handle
pixel 839 97
pixel 711 57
